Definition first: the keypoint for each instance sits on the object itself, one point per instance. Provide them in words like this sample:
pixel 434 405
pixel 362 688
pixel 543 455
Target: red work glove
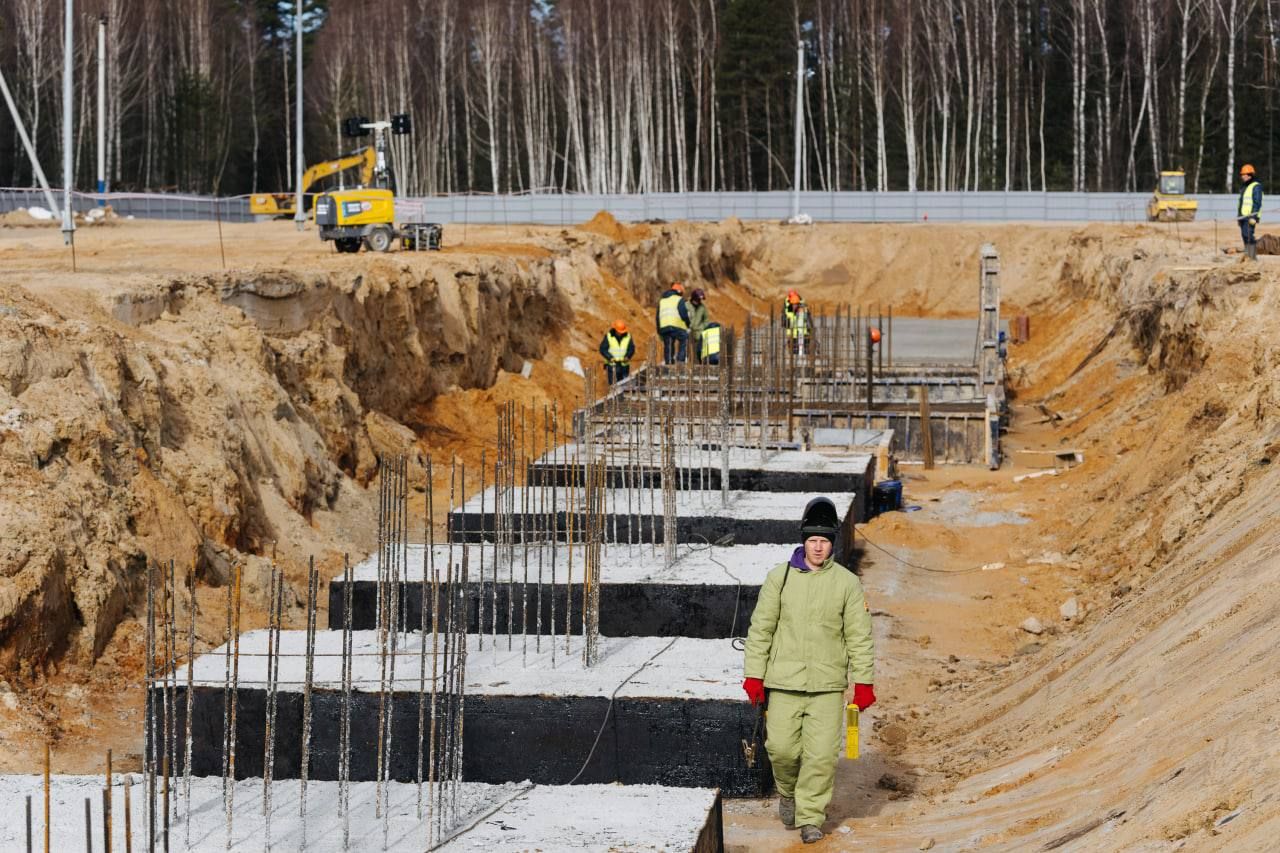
pixel 755 690
pixel 864 696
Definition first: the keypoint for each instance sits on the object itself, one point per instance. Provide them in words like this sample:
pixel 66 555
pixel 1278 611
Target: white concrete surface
pixel 682 667
pixel 741 505
pixel 696 564
pixel 740 458
pixel 516 816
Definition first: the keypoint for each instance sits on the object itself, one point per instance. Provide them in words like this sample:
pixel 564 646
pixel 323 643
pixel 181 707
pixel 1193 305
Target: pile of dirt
pixel 604 224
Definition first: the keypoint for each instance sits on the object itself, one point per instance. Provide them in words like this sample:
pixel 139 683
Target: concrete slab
pixel 708 592
pixel 636 515
pixel 680 719
pixel 514 816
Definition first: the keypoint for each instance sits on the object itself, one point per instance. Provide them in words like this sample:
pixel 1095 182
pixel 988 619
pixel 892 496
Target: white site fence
pixel 568 208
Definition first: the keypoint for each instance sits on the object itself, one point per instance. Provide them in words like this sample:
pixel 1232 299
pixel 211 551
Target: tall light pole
pixel 68 221
pixel 795 184
pixel 102 110
pixel 299 211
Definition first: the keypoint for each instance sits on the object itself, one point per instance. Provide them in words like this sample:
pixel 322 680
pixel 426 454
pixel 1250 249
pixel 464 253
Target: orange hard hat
pixel 1247 169
pixel 793 298
pixel 677 287
pixel 875 335
pixel 620 327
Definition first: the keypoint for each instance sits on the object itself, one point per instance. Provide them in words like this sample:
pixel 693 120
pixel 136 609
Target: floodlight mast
pixel 68 47
pixel 300 211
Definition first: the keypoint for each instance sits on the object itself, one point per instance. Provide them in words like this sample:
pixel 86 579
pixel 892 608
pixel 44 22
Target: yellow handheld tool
pixel 850 731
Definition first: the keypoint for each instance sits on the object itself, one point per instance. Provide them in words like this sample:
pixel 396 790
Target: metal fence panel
pixel 568 209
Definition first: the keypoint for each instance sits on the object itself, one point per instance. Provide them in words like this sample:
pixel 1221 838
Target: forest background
pixel 621 96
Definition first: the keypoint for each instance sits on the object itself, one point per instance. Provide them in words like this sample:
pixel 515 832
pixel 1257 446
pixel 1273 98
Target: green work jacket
pixel 698 317
pixel 813 637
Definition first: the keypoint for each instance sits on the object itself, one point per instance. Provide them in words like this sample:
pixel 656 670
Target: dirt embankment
pixel 227 419
pixel 1147 722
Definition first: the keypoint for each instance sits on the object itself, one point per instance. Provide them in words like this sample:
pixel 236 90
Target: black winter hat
pixel 820 519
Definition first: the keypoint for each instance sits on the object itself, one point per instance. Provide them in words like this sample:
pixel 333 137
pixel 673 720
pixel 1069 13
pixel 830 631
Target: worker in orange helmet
pixel 618 348
pixel 789 306
pixel 673 324
pixel 1249 209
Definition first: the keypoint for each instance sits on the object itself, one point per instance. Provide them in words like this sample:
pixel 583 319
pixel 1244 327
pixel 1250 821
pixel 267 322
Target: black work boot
pixel 787 811
pixel 810 834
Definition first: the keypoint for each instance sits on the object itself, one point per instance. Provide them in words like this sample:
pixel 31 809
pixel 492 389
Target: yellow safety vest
pixel 669 313
pixel 710 341
pixel 1246 200
pixel 618 348
pixel 798 324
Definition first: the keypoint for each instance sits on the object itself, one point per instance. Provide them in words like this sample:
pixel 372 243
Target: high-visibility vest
pixel 618 348
pixel 798 324
pixel 669 313
pixel 710 342
pixel 1246 200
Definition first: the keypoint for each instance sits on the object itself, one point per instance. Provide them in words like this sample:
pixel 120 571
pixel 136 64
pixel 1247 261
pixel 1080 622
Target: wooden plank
pixel 926 429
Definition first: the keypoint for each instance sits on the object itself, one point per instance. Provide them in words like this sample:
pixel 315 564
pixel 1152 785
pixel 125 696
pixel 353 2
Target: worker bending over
pixel 673 324
pixel 709 346
pixel 810 647
pixel 618 348
pixel 1249 210
pixel 698 317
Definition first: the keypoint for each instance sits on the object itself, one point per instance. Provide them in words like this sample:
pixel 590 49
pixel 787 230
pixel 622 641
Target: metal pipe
pixel 102 135
pixel 299 210
pixel 68 177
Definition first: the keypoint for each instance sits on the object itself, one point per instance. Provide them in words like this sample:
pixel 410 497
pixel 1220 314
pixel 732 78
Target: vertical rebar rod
pixel 344 731
pixel 106 809
pixel 165 799
pixel 46 795
pixel 128 815
pixel 233 737
pixel 428 558
pixel 304 770
pixel 149 734
pixel 191 668
pixel 88 825
pixel 480 608
pixel 524 538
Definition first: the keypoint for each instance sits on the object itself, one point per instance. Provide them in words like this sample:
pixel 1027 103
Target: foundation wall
pixel 702 611
pixel 545 739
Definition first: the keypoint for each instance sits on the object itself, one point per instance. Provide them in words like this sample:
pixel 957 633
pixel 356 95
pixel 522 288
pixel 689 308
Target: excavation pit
pixel 680 720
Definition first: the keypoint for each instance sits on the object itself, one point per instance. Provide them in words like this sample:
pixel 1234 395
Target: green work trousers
pixel 804 736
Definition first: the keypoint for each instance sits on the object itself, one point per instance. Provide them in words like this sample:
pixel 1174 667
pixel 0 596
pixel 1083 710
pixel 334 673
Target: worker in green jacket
pixel 810 647
pixel 698 318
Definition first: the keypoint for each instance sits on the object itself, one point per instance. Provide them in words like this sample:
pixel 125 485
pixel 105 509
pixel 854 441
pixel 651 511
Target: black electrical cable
pixel 609 709
pixel 725 541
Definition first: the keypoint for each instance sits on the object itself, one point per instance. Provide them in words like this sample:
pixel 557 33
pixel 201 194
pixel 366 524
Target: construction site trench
pixel 1073 649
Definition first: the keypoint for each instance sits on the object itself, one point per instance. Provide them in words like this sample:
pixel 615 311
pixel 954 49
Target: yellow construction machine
pixel 366 216
pixel 274 205
pixel 1170 202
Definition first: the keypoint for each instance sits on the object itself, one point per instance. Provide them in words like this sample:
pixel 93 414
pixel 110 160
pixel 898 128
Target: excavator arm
pixel 365 158
pixel 282 204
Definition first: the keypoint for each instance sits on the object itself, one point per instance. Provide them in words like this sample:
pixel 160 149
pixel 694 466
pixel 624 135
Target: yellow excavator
pixel 1170 202
pixel 272 205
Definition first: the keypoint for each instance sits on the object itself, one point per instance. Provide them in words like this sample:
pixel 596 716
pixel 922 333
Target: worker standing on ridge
pixel 617 347
pixel 798 329
pixel 810 646
pixel 709 345
pixel 698 318
pixel 789 306
pixel 673 324
pixel 1249 210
